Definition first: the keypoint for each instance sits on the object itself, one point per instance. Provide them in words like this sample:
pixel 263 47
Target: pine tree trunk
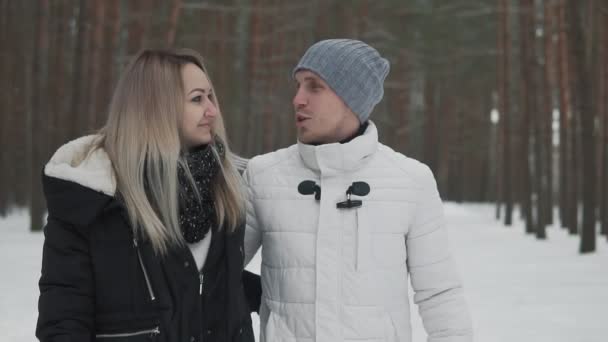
pixel 268 127
pixel 57 77
pixel 39 151
pixel 538 119
pixel 253 137
pixel 401 103
pixel 549 20
pixel 137 26
pixel 97 67
pixel 571 124
pixel 604 157
pixel 526 21
pixel 242 99
pixel 564 110
pixel 176 6
pixel 111 34
pixel 7 41
pixel 430 124
pixel 78 71
pixel 505 112
pixel 583 102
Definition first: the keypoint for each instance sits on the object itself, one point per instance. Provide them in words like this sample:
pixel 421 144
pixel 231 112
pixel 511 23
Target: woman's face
pixel 200 111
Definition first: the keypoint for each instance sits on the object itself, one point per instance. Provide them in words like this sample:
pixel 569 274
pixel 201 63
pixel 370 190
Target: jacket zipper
pixel 201 279
pixel 143 268
pixel 152 332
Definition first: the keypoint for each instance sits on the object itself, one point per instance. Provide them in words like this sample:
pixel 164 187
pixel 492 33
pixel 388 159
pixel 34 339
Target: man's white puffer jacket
pixel 332 274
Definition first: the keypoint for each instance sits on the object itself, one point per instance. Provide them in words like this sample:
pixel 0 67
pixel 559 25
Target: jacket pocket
pixel 389 250
pixel 244 333
pixel 390 330
pixel 377 249
pixel 277 330
pixel 130 336
pixel 127 327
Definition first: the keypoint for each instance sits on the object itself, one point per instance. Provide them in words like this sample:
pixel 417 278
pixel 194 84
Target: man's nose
pixel 299 99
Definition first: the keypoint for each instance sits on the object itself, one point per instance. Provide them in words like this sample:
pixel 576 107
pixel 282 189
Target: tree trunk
pixel 57 76
pixel 176 6
pixel 95 66
pixel 504 99
pixel 548 12
pixel 604 157
pixel 78 71
pixel 430 124
pixel 268 56
pixel 137 26
pixel 39 151
pixel 111 29
pixel 8 40
pixel 253 136
pixel 570 125
pixel 526 32
pixel 401 103
pixel 585 112
pixel 564 110
pixel 538 122
pixel 241 94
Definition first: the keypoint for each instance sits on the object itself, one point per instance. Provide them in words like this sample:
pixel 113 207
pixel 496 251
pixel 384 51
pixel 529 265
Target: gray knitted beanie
pixel 354 70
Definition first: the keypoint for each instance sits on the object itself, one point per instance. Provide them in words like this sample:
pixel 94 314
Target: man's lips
pixel 301 117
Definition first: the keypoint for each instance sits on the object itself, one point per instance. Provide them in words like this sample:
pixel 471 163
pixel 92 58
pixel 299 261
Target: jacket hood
pixel 78 185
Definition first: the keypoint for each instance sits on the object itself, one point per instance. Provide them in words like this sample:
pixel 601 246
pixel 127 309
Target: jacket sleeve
pixel 253 290
pixel 437 286
pixel 253 235
pixel 66 302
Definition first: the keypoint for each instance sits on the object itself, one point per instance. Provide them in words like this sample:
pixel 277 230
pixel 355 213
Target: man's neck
pixel 360 131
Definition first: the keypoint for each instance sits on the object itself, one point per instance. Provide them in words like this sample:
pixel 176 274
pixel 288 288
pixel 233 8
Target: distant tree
pixel 504 40
pixel 526 20
pixel 580 15
pixel 40 149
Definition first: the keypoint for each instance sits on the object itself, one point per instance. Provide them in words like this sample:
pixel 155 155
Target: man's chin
pixel 303 137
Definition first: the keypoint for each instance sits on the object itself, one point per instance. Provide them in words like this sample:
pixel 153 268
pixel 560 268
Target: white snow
pixel 518 288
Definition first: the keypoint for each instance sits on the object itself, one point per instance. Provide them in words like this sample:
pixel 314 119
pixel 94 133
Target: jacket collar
pixel 336 158
pixel 93 170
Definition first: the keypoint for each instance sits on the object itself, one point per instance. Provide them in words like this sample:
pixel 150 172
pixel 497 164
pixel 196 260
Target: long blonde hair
pixel 142 139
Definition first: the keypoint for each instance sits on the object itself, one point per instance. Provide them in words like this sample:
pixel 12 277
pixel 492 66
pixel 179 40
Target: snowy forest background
pixel 506 100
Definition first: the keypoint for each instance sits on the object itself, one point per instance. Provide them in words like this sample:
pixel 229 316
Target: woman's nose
pixel 211 110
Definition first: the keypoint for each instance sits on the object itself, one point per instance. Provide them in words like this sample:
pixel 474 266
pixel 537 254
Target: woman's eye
pixel 197 99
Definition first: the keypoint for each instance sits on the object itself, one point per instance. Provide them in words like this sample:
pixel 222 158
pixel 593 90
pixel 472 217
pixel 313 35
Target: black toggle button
pixel 309 187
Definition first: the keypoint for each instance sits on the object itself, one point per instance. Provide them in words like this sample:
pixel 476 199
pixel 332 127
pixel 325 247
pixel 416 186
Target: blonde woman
pixel 144 239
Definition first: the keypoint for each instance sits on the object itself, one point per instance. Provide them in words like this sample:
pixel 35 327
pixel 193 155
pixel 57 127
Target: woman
pixel 145 227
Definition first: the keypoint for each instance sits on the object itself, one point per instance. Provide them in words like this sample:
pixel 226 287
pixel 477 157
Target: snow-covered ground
pixel 519 289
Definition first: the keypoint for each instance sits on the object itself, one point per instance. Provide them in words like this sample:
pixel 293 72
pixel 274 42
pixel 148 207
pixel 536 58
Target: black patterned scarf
pixel 196 218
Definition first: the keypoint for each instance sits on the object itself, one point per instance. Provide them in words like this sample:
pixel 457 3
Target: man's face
pixel 321 116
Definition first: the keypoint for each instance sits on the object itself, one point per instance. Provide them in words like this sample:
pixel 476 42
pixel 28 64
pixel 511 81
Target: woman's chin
pixel 199 140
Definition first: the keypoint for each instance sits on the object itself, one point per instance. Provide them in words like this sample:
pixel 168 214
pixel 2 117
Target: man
pixel 342 219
